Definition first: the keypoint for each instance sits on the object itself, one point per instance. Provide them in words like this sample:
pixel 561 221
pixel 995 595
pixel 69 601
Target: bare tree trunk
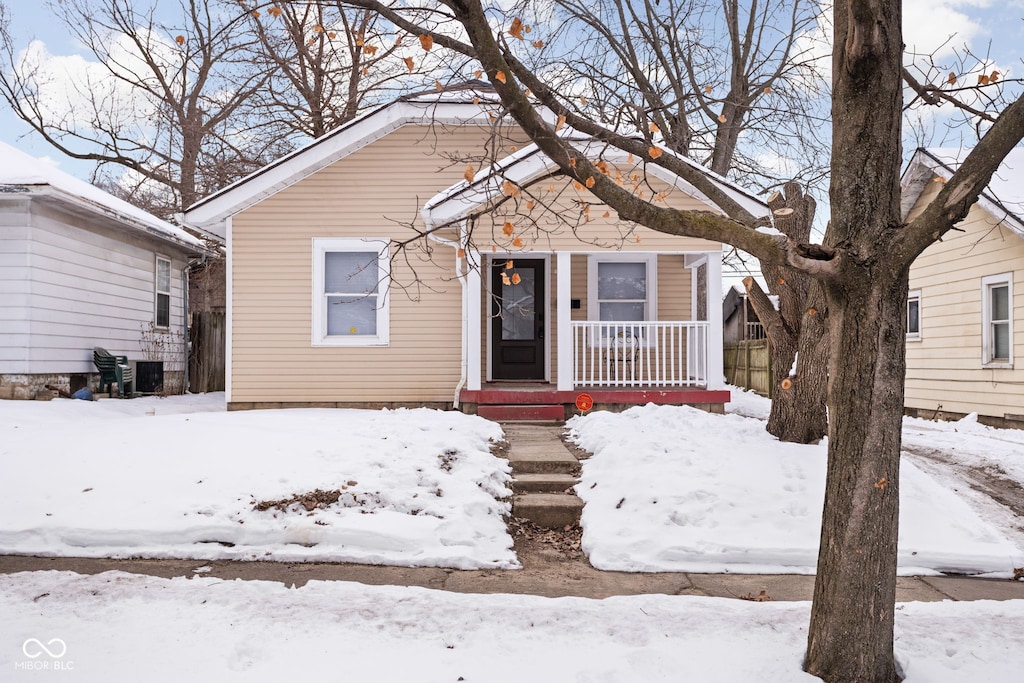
pixel 798 413
pixel 850 637
pixel 796 324
pixel 851 630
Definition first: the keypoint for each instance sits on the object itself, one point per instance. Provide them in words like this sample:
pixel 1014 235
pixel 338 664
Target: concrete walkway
pixel 551 577
pixel 547 570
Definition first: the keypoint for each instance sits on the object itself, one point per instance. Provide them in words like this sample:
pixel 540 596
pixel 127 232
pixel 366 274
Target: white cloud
pixel 940 26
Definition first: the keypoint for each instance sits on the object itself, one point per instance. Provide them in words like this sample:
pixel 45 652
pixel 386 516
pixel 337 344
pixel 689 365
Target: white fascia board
pixel 172 237
pixel 921 170
pixel 462 198
pixel 211 212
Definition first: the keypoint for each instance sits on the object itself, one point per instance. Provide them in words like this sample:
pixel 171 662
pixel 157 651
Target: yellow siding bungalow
pixel 426 254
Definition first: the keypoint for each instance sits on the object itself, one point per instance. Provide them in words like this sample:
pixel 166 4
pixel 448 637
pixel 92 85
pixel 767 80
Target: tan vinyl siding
pixel 374 192
pixel 579 285
pixel 945 367
pixel 674 297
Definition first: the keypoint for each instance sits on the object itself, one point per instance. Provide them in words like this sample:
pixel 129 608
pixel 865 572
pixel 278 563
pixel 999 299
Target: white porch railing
pixel 640 354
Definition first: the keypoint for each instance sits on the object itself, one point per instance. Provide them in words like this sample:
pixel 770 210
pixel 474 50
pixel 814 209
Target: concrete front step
pixel 545 459
pixel 520 413
pixel 548 510
pixel 543 483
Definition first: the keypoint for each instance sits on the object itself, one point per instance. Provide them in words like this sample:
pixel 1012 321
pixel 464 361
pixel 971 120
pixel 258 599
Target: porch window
pixel 622 288
pixel 997 320
pixel 914 315
pixel 162 292
pixel 350 287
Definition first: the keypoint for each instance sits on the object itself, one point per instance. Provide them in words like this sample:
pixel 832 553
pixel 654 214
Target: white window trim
pixel 651 307
pixel 157 291
pixel 987 283
pixel 323 245
pixel 914 295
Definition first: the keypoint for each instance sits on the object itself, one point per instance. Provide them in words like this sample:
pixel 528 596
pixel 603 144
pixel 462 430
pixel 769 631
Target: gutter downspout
pixel 186 383
pixel 461 277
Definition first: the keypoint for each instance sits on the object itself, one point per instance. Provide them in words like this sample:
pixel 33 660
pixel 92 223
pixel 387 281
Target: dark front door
pixel 517 319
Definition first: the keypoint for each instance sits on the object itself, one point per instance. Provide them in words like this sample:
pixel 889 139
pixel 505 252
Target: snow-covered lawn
pixel 667 485
pixel 181 477
pixel 668 488
pixel 677 489
pixel 121 627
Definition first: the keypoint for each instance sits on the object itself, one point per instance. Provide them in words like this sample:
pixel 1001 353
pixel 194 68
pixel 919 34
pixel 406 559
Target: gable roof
pixel 1003 198
pixel 460 104
pixel 21 172
pixel 529 163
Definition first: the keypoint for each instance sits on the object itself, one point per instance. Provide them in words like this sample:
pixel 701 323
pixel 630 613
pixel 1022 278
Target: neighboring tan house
pixel 80 268
pixel 372 268
pixel 965 322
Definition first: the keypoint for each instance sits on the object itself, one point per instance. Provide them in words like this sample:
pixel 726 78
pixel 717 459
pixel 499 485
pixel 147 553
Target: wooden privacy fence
pixel 207 337
pixel 748 364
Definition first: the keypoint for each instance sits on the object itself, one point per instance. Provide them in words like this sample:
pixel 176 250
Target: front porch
pixel 538 330
pixel 538 341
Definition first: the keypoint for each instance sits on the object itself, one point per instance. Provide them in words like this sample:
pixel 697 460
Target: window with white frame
pixel 350 292
pixel 914 315
pixel 997 320
pixel 622 288
pixel 162 292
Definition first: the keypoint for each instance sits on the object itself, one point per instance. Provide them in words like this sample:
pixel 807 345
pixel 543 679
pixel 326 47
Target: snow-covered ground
pixel 677 489
pixel 163 477
pixel 121 627
pixel 668 488
pixel 181 477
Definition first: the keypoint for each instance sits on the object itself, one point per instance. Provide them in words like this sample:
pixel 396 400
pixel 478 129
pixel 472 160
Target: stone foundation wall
pixel 1005 422
pixel 34 387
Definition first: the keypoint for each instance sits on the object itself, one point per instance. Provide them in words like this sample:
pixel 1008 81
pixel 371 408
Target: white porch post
pixel 472 323
pixel 563 315
pixel 716 355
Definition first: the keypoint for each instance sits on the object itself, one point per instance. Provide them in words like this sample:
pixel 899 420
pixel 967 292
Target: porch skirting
pixel 614 400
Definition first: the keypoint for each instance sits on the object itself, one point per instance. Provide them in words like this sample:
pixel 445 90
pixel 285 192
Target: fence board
pixel 207 337
pixel 748 365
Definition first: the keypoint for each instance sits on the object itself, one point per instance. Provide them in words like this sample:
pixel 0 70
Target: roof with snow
pixel 21 170
pixel 521 167
pixel 1003 198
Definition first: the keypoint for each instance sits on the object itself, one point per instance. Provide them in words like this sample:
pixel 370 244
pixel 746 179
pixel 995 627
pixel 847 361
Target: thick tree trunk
pixel 851 629
pixel 796 324
pixel 798 412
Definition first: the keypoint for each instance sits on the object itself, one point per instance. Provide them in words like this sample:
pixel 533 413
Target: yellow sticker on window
pixel 351 330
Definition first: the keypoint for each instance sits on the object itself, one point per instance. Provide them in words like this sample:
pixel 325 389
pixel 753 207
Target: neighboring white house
pixel 80 268
pixel 965 311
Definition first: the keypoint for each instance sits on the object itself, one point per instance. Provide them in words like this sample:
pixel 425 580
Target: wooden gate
pixel 207 337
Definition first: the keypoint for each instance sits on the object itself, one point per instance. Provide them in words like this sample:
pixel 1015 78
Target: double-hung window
pixel 162 292
pixel 622 289
pixel 350 292
pixel 997 320
pixel 914 315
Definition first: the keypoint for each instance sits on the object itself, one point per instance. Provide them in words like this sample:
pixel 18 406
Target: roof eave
pixel 211 212
pixel 459 200
pixel 130 222
pixel 923 167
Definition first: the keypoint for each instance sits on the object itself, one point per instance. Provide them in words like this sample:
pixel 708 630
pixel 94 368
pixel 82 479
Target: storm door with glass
pixel 517 319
